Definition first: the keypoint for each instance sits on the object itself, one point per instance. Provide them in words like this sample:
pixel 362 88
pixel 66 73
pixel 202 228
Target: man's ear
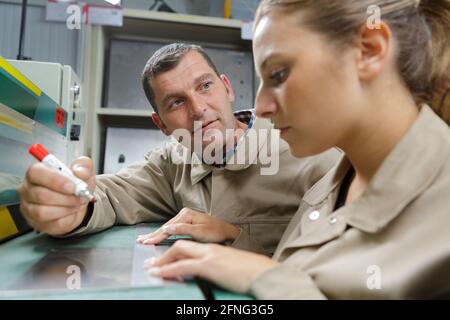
pixel 374 48
pixel 228 86
pixel 159 123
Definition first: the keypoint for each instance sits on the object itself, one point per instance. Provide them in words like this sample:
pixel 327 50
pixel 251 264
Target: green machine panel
pixel 27 116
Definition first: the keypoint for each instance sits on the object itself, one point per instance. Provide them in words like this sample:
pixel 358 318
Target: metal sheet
pixel 139 277
pixel 98 268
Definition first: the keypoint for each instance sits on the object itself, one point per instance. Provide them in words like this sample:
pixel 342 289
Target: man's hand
pixel 200 226
pixel 47 198
pixel 227 267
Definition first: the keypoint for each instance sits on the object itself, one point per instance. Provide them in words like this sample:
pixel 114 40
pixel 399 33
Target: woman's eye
pixel 278 77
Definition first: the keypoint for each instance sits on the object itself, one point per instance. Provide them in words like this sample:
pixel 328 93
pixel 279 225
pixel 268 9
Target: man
pixel 211 196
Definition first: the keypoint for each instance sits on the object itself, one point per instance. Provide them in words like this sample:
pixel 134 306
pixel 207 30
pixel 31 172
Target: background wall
pixel 44 41
pixel 53 42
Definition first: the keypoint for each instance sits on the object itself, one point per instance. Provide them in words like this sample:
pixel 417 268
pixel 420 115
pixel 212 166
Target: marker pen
pixel 49 160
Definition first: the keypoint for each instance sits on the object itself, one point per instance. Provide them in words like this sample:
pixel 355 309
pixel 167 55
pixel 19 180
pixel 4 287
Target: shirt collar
pixel 242 149
pixel 406 172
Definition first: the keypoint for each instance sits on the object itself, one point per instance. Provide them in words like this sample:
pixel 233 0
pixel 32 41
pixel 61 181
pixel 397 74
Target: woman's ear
pixel 374 48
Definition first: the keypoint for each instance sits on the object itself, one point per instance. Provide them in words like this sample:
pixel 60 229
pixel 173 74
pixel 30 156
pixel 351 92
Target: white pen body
pixel 81 187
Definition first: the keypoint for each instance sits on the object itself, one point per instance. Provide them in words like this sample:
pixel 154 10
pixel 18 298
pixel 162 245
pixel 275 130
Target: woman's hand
pixel 229 268
pixel 200 226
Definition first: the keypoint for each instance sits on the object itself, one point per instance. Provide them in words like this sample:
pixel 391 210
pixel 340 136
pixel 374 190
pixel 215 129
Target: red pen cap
pixel 38 151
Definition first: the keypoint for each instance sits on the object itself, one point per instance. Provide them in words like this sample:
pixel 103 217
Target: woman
pixel 376 226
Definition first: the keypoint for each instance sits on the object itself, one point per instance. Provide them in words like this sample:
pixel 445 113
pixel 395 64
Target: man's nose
pixel 197 107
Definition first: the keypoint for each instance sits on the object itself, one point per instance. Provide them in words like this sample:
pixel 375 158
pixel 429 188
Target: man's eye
pixel 206 85
pixel 177 103
pixel 278 77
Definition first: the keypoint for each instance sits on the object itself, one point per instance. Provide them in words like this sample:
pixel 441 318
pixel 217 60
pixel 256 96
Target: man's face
pixel 193 92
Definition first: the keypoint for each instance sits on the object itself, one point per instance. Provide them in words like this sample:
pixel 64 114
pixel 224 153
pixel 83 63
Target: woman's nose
pixel 265 105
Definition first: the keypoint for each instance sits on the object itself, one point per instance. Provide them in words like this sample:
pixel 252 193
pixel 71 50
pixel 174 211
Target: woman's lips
pixel 283 130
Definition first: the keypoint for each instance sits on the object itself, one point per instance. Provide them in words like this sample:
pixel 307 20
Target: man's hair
pixel 166 59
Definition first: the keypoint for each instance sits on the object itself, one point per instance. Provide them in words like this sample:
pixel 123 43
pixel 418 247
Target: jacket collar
pixel 243 150
pixel 407 171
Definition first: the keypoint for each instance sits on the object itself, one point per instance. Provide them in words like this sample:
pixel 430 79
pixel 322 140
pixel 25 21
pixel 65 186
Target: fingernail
pixel 154 271
pixel 150 261
pixel 80 169
pixel 169 229
pixel 148 241
pixel 69 187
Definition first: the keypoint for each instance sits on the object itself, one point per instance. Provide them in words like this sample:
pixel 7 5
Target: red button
pixel 59 117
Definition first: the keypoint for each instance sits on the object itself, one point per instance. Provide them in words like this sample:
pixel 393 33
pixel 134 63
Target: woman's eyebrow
pixel 268 59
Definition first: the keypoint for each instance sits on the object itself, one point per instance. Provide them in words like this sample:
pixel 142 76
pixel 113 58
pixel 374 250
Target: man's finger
pixel 40 175
pixel 59 226
pixel 83 168
pixel 193 230
pixel 30 221
pixel 186 215
pixel 155 239
pixel 44 196
pixel 161 231
pixel 46 214
pixel 167 230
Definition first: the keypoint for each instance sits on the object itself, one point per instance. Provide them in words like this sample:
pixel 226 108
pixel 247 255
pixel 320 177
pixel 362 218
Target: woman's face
pixel 309 87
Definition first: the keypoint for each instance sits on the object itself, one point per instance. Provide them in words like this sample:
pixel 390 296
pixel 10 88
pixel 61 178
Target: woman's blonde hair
pixel 421 29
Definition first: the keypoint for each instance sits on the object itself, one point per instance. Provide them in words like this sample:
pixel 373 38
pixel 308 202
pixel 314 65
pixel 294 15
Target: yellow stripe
pixel 19 77
pixel 15 124
pixel 227 9
pixel 7 225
